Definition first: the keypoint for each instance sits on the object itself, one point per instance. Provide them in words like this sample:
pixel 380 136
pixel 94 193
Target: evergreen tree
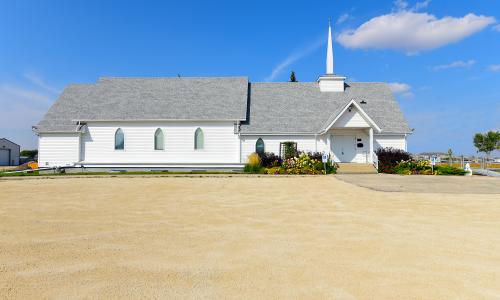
pixel 292 77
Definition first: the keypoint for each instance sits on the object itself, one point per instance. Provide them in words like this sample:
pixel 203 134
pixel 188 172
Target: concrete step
pixel 354 168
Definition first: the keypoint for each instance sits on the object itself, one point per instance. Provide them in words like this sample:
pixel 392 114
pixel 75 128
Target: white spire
pixel 329 51
pixel 331 82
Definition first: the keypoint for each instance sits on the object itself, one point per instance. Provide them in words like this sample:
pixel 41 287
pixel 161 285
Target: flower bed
pixel 301 163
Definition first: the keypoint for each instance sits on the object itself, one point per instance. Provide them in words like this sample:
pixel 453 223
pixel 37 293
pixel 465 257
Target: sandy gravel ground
pixel 286 237
pixel 425 183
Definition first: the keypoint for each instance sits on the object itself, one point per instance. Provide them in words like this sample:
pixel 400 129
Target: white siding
pixel 221 143
pixel 385 141
pixel 57 149
pixel 272 143
pixel 351 119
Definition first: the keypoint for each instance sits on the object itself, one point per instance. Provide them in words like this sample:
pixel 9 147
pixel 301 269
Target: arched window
pixel 199 140
pixel 259 146
pixel 159 142
pixel 119 139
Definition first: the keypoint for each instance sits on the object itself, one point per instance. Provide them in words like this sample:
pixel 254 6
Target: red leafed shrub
pixel 389 158
pixel 269 160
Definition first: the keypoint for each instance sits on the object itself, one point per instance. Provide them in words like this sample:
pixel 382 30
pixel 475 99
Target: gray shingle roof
pixel 190 98
pixel 274 107
pixel 300 107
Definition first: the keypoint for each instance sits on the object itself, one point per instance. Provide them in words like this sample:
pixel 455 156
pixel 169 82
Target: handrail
pixel 375 160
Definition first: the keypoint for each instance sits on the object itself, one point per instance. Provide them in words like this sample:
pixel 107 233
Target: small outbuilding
pixel 9 153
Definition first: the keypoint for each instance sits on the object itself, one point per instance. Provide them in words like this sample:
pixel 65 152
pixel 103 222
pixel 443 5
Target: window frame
pixel 263 146
pixel 159 130
pixel 197 132
pixel 119 129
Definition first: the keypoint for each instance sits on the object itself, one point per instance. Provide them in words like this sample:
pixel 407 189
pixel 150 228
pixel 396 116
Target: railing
pixel 375 160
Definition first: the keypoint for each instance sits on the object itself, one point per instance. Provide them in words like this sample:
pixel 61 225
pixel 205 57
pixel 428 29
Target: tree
pixel 292 77
pixel 450 156
pixel 487 142
pixel 29 153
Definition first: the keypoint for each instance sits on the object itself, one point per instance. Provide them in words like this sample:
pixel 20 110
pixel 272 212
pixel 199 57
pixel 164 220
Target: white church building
pixel 216 122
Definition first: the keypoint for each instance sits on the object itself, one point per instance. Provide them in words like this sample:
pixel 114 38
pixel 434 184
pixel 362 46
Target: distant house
pixel 216 122
pixel 9 153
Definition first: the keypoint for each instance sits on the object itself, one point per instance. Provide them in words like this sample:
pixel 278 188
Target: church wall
pixel 221 144
pixel 58 149
pixel 385 141
pixel 272 143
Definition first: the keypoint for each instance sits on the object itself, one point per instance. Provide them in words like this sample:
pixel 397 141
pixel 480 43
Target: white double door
pixel 344 148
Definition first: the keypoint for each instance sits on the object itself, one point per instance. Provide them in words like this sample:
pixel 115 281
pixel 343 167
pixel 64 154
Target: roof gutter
pixel 157 120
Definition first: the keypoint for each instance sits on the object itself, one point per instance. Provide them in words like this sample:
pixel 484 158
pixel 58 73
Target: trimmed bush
pixel 389 158
pixel 254 169
pixel 448 170
pixel 423 167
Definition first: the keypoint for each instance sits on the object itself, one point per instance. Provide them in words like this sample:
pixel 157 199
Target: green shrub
pixel 423 167
pixel 448 170
pixel 254 169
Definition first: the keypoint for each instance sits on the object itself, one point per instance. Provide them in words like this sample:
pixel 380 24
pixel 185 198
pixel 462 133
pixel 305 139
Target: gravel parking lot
pixel 246 237
pixel 425 183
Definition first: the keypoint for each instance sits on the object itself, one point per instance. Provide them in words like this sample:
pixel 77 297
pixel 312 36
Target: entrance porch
pixel 351 145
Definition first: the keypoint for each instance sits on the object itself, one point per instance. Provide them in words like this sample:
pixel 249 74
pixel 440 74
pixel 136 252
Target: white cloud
pixel 456 64
pixel 421 5
pixel 402 89
pixel 343 18
pixel 22 108
pixel 412 32
pixel 39 82
pixel 292 58
pixel 10 93
pixel 402 5
pixel 494 68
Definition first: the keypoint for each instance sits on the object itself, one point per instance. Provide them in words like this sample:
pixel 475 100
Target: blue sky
pixel 441 60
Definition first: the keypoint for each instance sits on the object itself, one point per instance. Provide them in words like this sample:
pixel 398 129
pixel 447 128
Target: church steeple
pixel 330 82
pixel 329 51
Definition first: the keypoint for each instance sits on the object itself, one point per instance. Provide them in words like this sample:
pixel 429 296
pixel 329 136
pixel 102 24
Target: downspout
pixel 239 138
pixel 79 143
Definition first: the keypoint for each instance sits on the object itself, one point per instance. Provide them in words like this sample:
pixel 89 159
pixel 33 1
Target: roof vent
pixel 363 102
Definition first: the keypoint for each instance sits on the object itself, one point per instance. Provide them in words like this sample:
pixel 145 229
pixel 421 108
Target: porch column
pixel 328 143
pixel 370 155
